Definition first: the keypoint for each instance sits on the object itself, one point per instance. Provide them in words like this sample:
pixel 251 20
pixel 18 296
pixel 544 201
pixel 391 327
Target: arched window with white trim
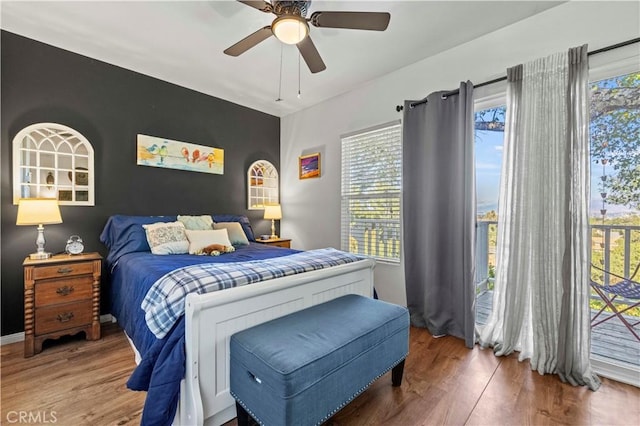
pixel 262 184
pixel 53 161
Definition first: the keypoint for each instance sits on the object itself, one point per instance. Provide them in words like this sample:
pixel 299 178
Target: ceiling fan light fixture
pixel 290 29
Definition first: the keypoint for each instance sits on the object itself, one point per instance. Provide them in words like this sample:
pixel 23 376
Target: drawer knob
pixel 65 291
pixel 65 316
pixel 65 270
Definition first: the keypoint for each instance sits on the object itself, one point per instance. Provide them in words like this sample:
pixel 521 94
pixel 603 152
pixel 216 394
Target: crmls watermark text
pixel 26 417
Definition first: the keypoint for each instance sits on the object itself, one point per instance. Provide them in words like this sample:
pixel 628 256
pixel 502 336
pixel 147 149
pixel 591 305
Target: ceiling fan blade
pixel 261 5
pixel 377 21
pixel 311 56
pixel 248 42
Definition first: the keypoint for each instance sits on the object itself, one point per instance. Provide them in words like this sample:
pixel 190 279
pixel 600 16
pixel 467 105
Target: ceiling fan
pixel 291 26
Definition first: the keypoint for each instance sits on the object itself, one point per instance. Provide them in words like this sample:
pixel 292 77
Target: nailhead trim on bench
pixel 325 418
pixel 361 390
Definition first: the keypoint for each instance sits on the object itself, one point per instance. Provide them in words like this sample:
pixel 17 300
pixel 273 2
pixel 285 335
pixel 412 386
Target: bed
pixel 186 371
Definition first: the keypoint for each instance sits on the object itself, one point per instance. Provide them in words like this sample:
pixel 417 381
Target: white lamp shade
pixel 272 212
pixel 290 29
pixel 38 211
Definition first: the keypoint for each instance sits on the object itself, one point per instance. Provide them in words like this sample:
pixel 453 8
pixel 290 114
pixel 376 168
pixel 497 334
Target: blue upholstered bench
pixel 302 368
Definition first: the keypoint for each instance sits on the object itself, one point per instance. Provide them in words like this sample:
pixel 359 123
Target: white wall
pixel 311 208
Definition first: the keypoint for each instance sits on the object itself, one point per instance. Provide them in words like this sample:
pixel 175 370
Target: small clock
pixel 74 245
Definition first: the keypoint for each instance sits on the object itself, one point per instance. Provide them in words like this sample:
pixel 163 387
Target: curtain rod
pixel 503 78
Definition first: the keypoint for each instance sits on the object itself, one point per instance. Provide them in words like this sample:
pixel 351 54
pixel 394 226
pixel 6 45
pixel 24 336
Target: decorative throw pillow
pixel 203 222
pixel 125 234
pixel 201 239
pixel 167 238
pixel 243 220
pixel 235 231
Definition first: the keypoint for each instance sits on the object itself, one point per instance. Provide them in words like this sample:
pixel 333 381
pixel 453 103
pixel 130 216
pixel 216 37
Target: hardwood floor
pixel 75 382
pixel 78 382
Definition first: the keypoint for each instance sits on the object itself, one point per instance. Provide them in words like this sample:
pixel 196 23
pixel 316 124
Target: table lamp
pixel 38 211
pixel 273 212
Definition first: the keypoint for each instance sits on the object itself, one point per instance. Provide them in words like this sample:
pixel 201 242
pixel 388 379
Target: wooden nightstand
pixel 61 296
pixel 280 242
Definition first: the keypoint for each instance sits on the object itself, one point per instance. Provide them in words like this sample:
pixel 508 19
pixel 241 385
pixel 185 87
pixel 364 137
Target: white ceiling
pixel 182 42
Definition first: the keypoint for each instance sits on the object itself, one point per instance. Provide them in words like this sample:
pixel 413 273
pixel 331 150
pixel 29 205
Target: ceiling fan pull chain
pixel 299 54
pixel 299 94
pixel 280 82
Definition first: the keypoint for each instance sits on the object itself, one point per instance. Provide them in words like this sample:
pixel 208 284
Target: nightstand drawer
pixel 277 242
pixel 63 291
pixel 286 244
pixel 62 317
pixel 63 270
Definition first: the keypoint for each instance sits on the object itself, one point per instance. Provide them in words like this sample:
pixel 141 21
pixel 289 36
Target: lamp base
pixel 40 256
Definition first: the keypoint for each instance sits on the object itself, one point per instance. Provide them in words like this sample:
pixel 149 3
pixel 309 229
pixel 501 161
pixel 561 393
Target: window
pixel 262 181
pixel 614 210
pixel 53 161
pixel 489 139
pixel 371 191
pixel 615 216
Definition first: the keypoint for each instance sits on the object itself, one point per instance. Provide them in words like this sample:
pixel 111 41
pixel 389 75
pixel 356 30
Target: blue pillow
pixel 244 221
pixel 125 234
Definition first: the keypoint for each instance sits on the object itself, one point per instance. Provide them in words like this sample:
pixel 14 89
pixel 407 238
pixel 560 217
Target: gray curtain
pixel 439 213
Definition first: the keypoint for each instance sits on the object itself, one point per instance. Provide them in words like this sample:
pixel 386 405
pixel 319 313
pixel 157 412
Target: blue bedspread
pixel 165 302
pixel 163 360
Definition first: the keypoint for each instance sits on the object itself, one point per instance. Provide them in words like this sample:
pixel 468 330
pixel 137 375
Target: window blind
pixel 371 193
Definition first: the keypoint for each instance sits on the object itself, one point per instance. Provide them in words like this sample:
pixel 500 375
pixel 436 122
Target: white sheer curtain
pixel 541 295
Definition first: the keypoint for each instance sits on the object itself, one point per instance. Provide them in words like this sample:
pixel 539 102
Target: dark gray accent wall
pixel 110 105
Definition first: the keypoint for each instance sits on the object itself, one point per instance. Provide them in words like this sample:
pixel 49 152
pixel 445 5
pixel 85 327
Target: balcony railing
pixel 611 251
pixel 375 237
pixel 485 255
pixel 607 243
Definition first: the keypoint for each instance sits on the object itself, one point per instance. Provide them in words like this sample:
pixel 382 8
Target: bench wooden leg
pixel 243 416
pixel 396 374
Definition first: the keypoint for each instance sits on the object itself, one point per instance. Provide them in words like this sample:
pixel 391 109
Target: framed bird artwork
pixel 166 153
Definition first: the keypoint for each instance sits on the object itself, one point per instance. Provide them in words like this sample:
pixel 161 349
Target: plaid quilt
pixel 164 302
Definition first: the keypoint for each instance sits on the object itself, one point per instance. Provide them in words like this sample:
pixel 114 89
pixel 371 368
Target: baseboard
pixel 615 371
pixel 19 337
pixel 12 338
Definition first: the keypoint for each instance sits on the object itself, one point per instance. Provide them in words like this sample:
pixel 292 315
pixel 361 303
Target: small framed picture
pixel 309 166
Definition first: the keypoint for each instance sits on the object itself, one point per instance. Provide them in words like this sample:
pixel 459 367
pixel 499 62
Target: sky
pixel 488 164
pixel 489 154
pixel 489 146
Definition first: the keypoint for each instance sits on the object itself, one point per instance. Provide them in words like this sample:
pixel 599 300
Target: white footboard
pixel 212 318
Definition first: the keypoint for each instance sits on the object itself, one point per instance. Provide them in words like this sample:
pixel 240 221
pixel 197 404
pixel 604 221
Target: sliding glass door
pixel 614 220
pixel 615 225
